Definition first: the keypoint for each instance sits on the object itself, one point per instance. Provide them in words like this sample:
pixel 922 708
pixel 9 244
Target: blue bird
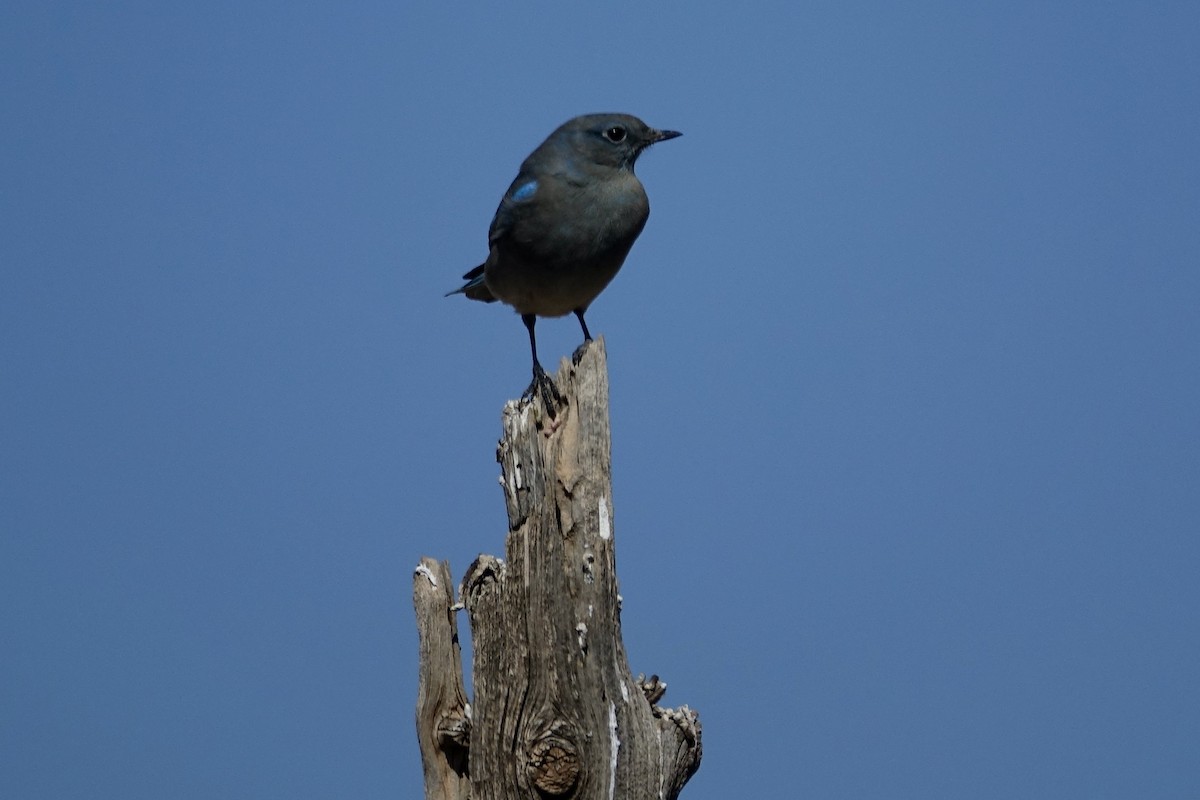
pixel 565 225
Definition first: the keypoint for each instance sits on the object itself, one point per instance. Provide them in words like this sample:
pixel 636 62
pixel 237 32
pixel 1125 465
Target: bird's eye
pixel 615 134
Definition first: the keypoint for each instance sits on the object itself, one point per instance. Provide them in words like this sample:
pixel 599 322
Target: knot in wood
pixel 454 731
pixel 553 765
pixel 652 687
pixel 483 573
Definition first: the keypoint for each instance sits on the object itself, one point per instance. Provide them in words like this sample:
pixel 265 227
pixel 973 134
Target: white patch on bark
pixel 605 524
pixel 616 747
pixel 428 573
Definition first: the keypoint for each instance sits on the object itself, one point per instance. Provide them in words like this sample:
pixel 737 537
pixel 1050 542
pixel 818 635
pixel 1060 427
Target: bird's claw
pixel 543 386
pixel 577 356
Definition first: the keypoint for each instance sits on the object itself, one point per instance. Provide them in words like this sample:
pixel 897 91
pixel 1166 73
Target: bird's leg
pixel 541 385
pixel 587 337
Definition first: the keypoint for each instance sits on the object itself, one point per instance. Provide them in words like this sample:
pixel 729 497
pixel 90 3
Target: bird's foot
pixel 543 386
pixel 577 356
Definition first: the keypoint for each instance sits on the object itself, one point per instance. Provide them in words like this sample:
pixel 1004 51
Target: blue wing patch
pixel 524 191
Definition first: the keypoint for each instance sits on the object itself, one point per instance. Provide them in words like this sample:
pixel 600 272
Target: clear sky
pixel 905 385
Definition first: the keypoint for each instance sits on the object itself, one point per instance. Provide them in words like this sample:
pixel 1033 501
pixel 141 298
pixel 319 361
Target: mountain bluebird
pixel 565 225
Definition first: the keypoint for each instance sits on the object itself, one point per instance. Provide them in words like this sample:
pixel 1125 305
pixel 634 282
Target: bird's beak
pixel 662 136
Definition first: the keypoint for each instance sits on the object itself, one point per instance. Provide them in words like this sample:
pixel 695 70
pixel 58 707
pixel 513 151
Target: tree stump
pixel 557 713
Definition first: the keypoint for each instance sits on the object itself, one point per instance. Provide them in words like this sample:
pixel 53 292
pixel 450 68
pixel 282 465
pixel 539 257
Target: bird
pixel 565 226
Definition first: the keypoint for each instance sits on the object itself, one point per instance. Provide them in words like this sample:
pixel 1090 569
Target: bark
pixel 557 712
pixel 443 724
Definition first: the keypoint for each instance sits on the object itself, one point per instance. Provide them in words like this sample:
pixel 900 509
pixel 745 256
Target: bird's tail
pixel 475 287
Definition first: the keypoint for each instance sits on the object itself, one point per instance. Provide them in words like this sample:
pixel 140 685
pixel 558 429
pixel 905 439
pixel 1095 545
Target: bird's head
pixel 610 140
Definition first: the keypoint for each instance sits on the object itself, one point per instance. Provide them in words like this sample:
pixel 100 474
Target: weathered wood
pixel 557 712
pixel 443 716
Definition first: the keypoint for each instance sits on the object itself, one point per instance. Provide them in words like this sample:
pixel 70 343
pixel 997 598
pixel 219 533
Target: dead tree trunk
pixel 557 712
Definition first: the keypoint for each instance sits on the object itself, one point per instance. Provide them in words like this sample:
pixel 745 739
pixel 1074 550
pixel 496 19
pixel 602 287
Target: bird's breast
pixel 601 219
pixel 561 257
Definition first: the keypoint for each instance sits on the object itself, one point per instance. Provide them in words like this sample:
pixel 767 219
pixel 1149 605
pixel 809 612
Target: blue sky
pixel 905 375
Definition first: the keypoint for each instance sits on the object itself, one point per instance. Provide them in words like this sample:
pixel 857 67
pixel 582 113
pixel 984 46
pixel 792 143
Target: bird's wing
pixel 520 202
